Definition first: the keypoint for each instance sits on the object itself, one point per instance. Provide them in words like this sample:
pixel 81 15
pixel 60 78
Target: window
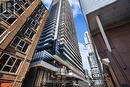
pixel 27 32
pixel 40 13
pixel 39 17
pixel 3 60
pixel 25 3
pixel 1 30
pixel 6 5
pixel 9 63
pixel 23 30
pixel 8 17
pixel 25 47
pixel 18 9
pixel 34 15
pixel 33 23
pixel 32 34
pixel 2 6
pixel 16 41
pixel 16 65
pixel 20 44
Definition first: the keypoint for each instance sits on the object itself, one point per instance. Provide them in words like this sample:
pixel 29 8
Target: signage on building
pixel 95 76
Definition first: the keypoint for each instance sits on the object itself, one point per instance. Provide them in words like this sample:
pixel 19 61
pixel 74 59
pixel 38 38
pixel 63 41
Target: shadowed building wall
pixel 109 23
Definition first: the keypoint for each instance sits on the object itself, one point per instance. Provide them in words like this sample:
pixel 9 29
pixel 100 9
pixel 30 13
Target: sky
pixel 80 26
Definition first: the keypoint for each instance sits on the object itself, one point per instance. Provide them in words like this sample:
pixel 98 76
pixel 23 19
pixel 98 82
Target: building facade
pixel 94 62
pixel 109 23
pixel 57 57
pixel 21 23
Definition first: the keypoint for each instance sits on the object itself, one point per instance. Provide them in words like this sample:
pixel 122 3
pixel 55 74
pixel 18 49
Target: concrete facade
pixel 94 62
pixel 109 29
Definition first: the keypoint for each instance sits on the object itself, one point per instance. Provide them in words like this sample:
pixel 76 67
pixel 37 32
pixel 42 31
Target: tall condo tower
pixel 57 50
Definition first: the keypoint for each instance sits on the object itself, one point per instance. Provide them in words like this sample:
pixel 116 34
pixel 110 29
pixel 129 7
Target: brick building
pixel 21 23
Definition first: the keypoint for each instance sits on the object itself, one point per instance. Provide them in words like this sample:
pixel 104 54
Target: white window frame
pixel 7 17
pixel 34 23
pixel 27 32
pixel 19 45
pixel 10 65
pixel 27 28
pixel 18 8
pixel 24 3
pixel 31 23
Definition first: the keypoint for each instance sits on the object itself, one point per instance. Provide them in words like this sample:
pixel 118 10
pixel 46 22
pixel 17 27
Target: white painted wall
pixel 92 5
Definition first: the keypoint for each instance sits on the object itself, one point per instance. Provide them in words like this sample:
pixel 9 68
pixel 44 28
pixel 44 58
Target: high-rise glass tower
pixel 57 49
pixel 59 36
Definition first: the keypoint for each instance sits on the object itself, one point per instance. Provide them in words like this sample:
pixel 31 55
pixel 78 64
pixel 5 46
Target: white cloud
pixel 75 7
pixel 84 55
pixel 47 3
pixel 73 3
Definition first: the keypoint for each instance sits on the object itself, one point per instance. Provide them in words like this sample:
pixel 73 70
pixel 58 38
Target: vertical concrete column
pixel 103 34
pixel 106 43
pixel 31 78
pixel 38 81
pixel 115 68
pixel 44 78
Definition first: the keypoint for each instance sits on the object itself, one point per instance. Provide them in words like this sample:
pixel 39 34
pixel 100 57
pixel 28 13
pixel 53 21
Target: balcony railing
pixel 42 55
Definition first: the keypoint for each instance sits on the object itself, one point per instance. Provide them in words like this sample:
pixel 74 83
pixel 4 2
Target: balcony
pixel 42 56
pixel 43 64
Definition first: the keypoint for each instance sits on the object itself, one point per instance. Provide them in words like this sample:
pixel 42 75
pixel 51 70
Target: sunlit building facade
pixel 21 23
pixel 57 61
pixel 94 62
